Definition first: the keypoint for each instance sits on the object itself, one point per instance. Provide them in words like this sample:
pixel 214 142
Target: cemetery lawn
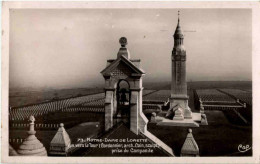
pixel 219 138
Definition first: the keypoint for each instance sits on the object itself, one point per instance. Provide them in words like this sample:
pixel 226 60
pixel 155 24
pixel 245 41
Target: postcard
pixel 130 82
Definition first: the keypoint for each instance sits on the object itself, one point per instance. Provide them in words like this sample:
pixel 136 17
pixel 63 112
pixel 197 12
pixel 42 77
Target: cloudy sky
pixel 68 48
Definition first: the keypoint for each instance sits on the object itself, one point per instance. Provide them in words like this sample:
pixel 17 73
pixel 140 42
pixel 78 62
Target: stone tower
pixel 179 98
pixel 179 113
pixel 123 103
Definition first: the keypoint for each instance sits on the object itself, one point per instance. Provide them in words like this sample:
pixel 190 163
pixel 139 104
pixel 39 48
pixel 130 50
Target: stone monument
pixel 190 147
pixel 153 116
pixel 179 85
pixel 60 143
pixel 179 113
pixel 204 120
pixel 31 145
pixel 201 107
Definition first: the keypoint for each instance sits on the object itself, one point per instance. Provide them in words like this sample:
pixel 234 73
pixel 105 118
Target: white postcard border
pixel 6 6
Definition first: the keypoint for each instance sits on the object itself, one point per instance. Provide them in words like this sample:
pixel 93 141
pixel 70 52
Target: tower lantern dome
pixel 178 32
pixel 178 37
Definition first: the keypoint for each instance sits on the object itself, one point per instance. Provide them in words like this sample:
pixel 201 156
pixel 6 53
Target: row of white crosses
pixel 161 95
pixel 240 95
pixel 23 113
pixel 213 95
pixel 16 140
pixel 85 109
pixel 98 103
pixel 36 125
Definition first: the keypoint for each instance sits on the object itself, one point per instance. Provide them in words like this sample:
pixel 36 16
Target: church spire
pixel 178 17
pixel 178 32
pixel 178 36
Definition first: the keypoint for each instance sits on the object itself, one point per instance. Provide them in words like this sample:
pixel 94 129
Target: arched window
pixel 123 102
pixel 123 92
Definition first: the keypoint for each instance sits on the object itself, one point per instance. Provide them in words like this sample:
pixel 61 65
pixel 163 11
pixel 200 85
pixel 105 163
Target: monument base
pixel 179 108
pixel 196 120
pixel 184 123
pixel 193 122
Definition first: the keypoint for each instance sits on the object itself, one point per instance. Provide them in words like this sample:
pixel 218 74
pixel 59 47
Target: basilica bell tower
pixel 179 98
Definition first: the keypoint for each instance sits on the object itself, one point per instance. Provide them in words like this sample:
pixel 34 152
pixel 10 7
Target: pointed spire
pixel 178 37
pixel 190 147
pixel 178 33
pixel 178 17
pixel 31 145
pixel 60 143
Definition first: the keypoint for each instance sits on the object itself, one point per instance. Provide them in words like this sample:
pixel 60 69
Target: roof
pixel 121 131
pixel 190 146
pixel 61 138
pixel 133 68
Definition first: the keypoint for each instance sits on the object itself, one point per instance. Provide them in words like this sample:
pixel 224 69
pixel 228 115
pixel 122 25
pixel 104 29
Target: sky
pixel 68 48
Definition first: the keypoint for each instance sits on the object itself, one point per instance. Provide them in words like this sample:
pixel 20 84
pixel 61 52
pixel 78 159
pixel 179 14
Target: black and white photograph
pixel 129 82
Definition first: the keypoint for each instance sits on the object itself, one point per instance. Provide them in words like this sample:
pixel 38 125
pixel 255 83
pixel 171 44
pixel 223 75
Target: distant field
pixel 246 85
pixel 158 96
pixel 20 97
